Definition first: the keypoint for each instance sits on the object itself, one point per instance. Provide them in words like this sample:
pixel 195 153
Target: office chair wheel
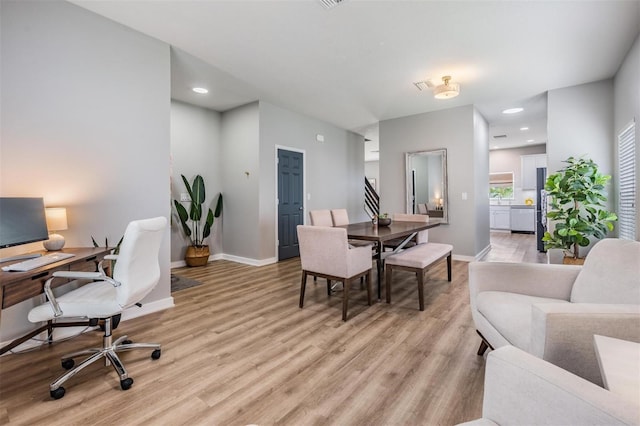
pixel 58 393
pixel 68 364
pixel 126 383
pixel 156 354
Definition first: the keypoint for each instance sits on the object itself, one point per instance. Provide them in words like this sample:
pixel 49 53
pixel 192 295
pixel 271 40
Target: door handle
pixel 301 208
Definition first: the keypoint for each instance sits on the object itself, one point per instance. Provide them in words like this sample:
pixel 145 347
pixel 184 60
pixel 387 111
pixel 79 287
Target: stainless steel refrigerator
pixel 541 207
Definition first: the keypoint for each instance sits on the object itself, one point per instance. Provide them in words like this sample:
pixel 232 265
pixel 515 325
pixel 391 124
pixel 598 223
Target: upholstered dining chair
pixel 325 252
pixel 135 273
pixel 321 218
pixel 340 217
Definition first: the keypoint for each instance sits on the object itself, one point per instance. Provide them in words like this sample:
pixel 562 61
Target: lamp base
pixel 55 242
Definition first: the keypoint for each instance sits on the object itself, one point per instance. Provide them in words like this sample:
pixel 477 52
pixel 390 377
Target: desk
pixel 17 287
pixel 379 234
pixel 619 362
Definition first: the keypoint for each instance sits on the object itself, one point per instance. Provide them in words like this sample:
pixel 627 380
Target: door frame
pixel 304 189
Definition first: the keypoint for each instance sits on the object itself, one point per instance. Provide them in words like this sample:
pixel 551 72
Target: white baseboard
pixel 68 332
pixel 248 261
pixel 483 253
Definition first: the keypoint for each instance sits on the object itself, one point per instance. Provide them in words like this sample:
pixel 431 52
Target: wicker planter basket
pixel 197 256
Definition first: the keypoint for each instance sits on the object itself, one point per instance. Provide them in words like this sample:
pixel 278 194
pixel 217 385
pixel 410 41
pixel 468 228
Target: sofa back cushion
pixel 611 274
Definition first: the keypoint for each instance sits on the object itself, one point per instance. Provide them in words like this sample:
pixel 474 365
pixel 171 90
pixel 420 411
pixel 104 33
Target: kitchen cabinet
pixel 499 217
pixel 523 218
pixel 529 164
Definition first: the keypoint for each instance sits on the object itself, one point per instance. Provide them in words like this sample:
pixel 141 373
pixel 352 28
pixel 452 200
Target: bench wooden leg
pixel 420 276
pixel 345 299
pixel 449 267
pixel 387 282
pixel 303 285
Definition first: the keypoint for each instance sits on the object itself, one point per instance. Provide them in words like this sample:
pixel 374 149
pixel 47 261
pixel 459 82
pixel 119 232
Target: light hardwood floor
pixel 237 350
pixel 508 247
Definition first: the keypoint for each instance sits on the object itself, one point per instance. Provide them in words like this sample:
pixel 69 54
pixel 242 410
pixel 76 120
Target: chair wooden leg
pixel 328 287
pixel 368 279
pixel 449 267
pixel 345 298
pixel 387 282
pixel 483 348
pixel 303 285
pixel 420 277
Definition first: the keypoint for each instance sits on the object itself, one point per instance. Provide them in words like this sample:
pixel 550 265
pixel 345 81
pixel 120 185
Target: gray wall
pixel 626 86
pixel 481 181
pixel 241 177
pixel 85 107
pixel 334 168
pixel 452 129
pixel 508 160
pixel 372 170
pixel 195 149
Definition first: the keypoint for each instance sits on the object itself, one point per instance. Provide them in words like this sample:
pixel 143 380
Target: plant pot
pixel 567 260
pixel 384 221
pixel 197 256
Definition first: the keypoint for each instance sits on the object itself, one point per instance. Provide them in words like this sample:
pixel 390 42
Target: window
pixel 627 183
pixel 501 185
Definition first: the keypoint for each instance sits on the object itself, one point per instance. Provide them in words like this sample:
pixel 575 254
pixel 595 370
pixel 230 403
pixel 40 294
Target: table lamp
pixel 56 221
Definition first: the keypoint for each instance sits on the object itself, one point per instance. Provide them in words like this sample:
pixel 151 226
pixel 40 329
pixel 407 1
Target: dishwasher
pixel 523 219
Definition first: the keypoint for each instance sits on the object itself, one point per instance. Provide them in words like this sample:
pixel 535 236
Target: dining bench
pixel 417 259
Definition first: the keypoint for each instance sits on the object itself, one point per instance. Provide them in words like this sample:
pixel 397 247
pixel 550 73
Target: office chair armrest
pixel 107 257
pixel 94 276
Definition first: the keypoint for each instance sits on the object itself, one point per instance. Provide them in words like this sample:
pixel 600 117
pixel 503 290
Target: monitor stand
pixel 20 257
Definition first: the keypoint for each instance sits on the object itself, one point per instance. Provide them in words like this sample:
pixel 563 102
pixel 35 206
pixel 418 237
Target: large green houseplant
pixel 577 206
pixel 197 253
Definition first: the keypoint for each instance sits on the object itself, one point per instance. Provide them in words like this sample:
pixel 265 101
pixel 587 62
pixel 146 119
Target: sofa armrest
pixel 542 280
pixel 522 389
pixel 562 333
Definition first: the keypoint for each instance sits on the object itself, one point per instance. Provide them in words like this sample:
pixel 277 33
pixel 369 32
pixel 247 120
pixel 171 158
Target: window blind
pixel 627 183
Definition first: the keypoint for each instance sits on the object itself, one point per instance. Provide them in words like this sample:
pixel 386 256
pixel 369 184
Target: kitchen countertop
pixel 517 206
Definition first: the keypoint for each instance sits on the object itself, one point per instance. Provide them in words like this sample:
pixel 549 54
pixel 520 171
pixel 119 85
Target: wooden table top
pixel 370 232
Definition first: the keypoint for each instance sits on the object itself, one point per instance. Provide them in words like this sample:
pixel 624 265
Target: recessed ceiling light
pixel 512 110
pixel 495 147
pixel 530 140
pixel 200 90
pixel 524 128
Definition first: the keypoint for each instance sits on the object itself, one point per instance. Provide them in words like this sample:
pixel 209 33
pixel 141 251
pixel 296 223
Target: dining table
pixel 378 234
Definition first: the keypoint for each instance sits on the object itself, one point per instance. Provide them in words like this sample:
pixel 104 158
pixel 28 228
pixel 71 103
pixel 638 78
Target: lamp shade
pixel 56 218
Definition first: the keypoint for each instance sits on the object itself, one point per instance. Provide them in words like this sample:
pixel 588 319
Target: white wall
pixel 626 87
pixel 195 149
pixel 452 129
pixel 85 107
pixel 372 170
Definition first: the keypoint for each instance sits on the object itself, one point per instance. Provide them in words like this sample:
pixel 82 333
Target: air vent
pixel 330 4
pixel 424 85
pixel 499 136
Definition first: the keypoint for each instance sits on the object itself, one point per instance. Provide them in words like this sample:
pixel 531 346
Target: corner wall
pixel 85 106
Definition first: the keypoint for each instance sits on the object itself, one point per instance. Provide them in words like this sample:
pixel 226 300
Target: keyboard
pixel 38 262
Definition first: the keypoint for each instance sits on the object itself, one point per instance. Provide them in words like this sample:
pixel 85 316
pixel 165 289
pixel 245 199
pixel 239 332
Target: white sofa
pixel 553 311
pixel 520 389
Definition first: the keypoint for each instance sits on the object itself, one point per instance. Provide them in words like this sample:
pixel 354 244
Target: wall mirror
pixel 427 184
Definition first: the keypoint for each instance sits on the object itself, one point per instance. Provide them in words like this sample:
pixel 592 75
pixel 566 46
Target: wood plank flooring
pixel 508 247
pixel 237 350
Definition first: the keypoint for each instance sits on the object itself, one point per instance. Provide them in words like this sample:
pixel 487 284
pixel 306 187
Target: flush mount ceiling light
pixel 513 110
pixel 524 128
pixel 200 90
pixel 447 90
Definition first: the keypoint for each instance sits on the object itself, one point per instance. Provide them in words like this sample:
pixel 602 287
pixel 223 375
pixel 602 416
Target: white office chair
pixel 135 273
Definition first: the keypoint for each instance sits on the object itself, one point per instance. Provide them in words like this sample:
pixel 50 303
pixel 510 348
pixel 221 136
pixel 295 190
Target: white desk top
pixel 619 362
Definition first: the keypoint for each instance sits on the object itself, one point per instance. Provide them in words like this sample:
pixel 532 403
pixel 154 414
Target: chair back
pixel 323 249
pixel 610 274
pixel 422 208
pixel 320 218
pixel 340 217
pixel 423 236
pixel 138 268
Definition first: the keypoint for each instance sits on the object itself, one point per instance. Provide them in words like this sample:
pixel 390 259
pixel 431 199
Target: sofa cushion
pixel 510 314
pixel 611 274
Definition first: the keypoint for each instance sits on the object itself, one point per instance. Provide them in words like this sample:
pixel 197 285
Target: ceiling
pixel 355 64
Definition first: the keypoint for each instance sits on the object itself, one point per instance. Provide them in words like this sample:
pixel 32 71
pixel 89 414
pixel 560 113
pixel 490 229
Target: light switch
pixel 464 195
pixel 308 196
pixel 184 196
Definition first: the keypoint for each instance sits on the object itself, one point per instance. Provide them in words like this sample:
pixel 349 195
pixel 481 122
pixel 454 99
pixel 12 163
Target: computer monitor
pixel 22 221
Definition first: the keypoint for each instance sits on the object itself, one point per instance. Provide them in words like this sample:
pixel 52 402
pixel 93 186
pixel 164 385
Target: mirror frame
pixel 409 178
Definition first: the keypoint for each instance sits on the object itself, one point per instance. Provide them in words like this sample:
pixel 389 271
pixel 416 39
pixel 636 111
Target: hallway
pixel 508 247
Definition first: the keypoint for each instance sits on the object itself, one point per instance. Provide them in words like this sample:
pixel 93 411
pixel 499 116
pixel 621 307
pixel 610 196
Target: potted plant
pixel 577 206
pixel 197 253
